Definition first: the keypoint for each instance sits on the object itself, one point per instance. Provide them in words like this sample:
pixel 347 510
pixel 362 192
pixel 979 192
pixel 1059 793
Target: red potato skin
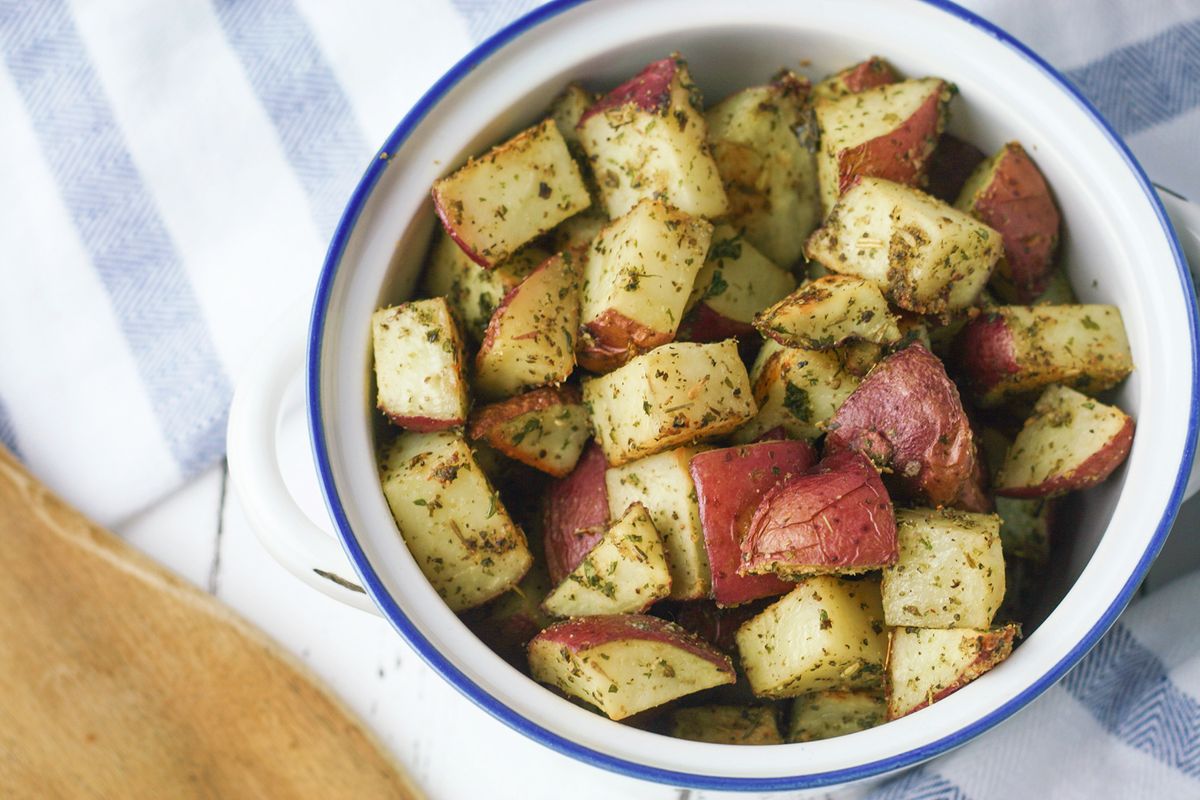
pixel 996 646
pixel 901 157
pixel 1017 203
pixel 424 424
pixel 974 495
pixel 583 633
pixel 907 415
pixel 1094 469
pixel 984 352
pixel 836 519
pixel 444 214
pixel 649 90
pixel 493 327
pixel 575 514
pixel 730 483
pixel 612 338
pixel 486 419
pixel 868 74
pixel 952 163
pixel 704 324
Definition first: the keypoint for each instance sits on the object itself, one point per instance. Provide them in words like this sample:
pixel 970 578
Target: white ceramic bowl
pixel 1118 248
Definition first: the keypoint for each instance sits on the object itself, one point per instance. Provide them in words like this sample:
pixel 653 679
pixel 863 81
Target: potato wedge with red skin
pixel 419 365
pixel 906 415
pixel 575 514
pixel 546 428
pixel 1070 443
pixel 925 665
pixel 837 519
pixel 648 139
pixel 735 282
pixel 924 255
pixel 637 277
pixel 888 131
pixel 1010 195
pixel 951 165
pixel 510 195
pixel 529 341
pixel 626 663
pixel 1010 351
pixel 624 573
pixel 730 483
pixel 857 78
pixel 829 311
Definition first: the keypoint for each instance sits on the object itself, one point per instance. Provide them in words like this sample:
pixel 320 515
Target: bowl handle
pixel 1185 217
pixel 272 374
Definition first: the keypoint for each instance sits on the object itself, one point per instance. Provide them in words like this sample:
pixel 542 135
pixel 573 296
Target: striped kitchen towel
pixel 171 172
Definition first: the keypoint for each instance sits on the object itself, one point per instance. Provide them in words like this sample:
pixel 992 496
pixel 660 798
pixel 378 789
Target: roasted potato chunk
pixel 727 724
pixel 925 666
pixel 836 519
pixel 637 277
pixel 625 572
pixel 830 311
pixel 647 139
pixel 472 291
pixel 1071 442
pixel 907 415
pixel 770 176
pixel 730 483
pixel 735 282
pixel 575 514
pixel 856 78
pixel 513 193
pixel 824 715
pixel 924 255
pixel 1009 194
pixel 1010 351
pixel 886 131
pixel 950 570
pixel 663 484
pixel 530 339
pixel 452 519
pixel 675 394
pixel 419 365
pixel 546 428
pixel 625 663
pixel 798 390
pixel 827 633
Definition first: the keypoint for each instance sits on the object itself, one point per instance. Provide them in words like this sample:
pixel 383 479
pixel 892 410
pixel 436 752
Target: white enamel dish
pixel 1118 248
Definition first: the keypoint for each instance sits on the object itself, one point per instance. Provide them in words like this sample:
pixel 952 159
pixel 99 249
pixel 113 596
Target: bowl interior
pixel 1114 248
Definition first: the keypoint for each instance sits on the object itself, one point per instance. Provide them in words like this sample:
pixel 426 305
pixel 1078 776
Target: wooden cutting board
pixel 120 680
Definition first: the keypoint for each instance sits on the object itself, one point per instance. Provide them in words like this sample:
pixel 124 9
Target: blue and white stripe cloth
pixel 169 177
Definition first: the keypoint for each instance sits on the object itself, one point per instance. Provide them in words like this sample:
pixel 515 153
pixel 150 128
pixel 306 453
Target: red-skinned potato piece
pixel 575 514
pixel 626 663
pixel 1009 194
pixel 857 78
pixel 546 429
pixel 952 163
pixel 1070 443
pixel 837 519
pixel 907 415
pixel 730 483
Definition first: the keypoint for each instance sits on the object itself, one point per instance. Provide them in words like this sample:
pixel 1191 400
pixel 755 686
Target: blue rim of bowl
pixel 587 755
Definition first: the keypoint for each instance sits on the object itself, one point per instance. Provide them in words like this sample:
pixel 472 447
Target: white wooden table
pixel 452 749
